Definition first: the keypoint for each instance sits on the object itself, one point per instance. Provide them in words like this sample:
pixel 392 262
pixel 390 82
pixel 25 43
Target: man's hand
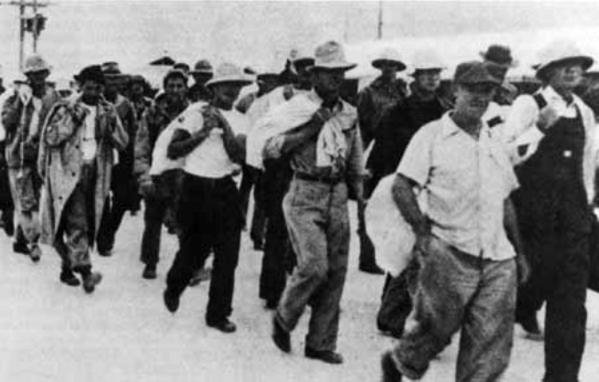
pixel 423 243
pixel 523 269
pixel 146 187
pixel 547 118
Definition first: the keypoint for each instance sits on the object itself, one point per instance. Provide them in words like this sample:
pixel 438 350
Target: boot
pixel 68 277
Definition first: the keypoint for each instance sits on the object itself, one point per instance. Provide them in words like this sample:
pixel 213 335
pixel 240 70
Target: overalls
pixel 556 222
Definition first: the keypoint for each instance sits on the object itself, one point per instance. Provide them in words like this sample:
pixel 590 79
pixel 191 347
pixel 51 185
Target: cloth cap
pixel 173 73
pixel 427 60
pixel 389 55
pixel 330 55
pixel 202 66
pixel 500 55
pixel 91 73
pixel 560 52
pixel 229 73
pixel 36 63
pixel 474 73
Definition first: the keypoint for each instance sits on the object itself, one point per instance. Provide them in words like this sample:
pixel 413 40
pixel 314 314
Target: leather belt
pixel 319 179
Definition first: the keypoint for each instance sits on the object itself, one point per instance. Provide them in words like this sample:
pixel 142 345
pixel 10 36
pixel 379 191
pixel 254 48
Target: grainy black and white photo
pixel 311 191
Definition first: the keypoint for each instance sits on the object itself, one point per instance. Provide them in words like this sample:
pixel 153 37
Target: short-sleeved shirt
pixel 210 159
pixel 466 182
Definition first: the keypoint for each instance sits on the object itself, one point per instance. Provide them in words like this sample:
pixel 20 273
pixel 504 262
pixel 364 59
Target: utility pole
pixel 33 23
pixel 380 24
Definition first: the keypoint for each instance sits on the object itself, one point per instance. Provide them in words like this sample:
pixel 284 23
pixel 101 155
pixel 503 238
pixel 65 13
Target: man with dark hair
pixel 23 115
pixel 469 268
pixel 211 139
pixel 318 132
pixel 158 190
pixel 124 186
pixel 75 163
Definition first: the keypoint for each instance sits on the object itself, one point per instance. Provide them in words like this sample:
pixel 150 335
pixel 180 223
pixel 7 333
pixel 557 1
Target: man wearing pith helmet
pixel 469 269
pixel 23 115
pixel 396 129
pixel 554 134
pixel 211 138
pixel 318 132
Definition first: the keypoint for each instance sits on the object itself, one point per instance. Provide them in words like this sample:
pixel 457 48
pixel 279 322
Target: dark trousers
pixel 252 178
pixel 114 211
pixel 211 219
pixel 278 256
pixel 154 215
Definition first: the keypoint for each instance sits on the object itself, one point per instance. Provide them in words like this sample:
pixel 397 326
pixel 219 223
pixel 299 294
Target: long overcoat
pixel 61 159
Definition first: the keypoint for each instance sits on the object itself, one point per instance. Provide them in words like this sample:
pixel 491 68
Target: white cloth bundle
pixel 393 238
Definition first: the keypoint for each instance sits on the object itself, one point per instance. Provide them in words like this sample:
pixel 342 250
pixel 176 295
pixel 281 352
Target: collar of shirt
pixel 562 107
pixel 449 127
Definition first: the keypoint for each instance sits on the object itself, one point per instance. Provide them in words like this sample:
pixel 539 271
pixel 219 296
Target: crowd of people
pixel 497 189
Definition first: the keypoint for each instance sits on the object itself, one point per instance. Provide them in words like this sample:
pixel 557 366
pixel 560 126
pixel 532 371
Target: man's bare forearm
pixel 183 143
pixel 300 135
pixel 510 222
pixel 405 199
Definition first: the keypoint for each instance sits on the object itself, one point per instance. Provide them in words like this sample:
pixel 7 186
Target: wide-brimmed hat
pixel 35 63
pixel 389 56
pixel 202 66
pixel 474 73
pixel 91 73
pixel 426 60
pixel 330 56
pixel 500 55
pixel 112 72
pixel 560 52
pixel 229 73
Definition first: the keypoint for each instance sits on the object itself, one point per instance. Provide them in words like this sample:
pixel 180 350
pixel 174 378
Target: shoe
pixel 531 327
pixel 91 280
pixel 390 372
pixel 200 275
pixel 170 301
pixel 149 272
pixel 68 277
pixel 327 356
pixel 105 253
pixel 372 269
pixel 280 336
pixel 21 248
pixel 224 326
pixel 36 253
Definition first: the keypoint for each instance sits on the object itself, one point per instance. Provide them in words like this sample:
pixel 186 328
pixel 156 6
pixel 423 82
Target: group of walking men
pixel 489 190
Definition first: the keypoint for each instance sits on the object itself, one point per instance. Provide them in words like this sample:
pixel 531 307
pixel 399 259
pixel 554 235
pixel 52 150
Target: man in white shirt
pixel 554 137
pixel 468 268
pixel 210 215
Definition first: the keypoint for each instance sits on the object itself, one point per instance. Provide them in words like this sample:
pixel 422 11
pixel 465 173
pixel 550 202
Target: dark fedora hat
pixel 91 73
pixel 499 55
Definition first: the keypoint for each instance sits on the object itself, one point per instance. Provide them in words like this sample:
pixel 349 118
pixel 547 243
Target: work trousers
pixel 158 207
pixel 278 256
pixel 396 301
pixel 115 208
pixel 25 188
pixel 457 291
pixel 252 177
pixel 318 225
pixel 211 220
pixel 75 235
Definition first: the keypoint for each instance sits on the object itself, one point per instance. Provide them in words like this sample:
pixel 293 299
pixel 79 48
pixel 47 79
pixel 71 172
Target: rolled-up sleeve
pixel 520 132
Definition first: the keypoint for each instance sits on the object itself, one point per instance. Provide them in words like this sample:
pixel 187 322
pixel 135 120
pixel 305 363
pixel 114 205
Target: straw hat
pixel 426 60
pixel 229 73
pixel 389 55
pixel 36 63
pixel 560 52
pixel 329 56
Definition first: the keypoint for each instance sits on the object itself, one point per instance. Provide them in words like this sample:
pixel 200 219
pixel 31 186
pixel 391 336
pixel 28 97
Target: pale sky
pixel 258 33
